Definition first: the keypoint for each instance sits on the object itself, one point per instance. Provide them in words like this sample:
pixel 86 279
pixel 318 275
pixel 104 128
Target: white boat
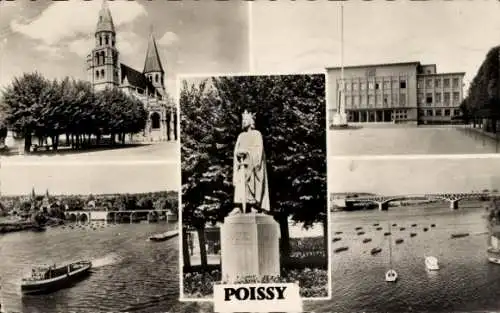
pixel 391 275
pixel 494 260
pixel 431 263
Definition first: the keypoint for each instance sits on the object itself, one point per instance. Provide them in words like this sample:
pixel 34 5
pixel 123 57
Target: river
pixel 465 282
pixel 406 139
pixel 130 273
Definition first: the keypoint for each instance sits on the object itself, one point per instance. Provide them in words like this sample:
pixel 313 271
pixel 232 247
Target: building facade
pixel 105 71
pixel 406 92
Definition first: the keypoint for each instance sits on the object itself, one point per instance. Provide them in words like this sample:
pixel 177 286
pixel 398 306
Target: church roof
pixel 152 63
pixel 136 78
pixel 105 22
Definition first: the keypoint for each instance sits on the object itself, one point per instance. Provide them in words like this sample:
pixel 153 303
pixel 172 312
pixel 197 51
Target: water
pixel 465 282
pixel 410 140
pixel 131 274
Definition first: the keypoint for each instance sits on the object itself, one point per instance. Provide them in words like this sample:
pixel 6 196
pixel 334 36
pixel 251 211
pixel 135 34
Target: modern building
pixel 104 70
pixel 407 92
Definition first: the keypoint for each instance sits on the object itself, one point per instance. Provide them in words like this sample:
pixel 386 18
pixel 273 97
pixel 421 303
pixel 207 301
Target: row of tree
pixel 483 99
pixel 290 114
pixel 165 200
pixel 34 105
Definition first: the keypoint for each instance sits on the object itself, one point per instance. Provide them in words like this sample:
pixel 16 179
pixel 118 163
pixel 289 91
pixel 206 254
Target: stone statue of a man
pixel 251 193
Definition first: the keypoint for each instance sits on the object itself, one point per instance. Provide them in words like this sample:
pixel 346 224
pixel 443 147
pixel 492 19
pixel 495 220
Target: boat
pixel 341 249
pixel 387 234
pixel 398 241
pixel 164 236
pixel 394 225
pixel 493 250
pixel 335 239
pixel 402 228
pixel 494 260
pixel 412 234
pixel 431 263
pixel 433 225
pixel 358 228
pixel 338 233
pixel 376 251
pixel 366 240
pixel 459 235
pixel 391 275
pixel 426 229
pixel 379 228
pixel 361 233
pixel 376 224
pixel 46 278
pixel 413 225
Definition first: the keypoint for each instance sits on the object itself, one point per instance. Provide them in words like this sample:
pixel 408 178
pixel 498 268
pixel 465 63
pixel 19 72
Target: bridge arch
pixel 83 217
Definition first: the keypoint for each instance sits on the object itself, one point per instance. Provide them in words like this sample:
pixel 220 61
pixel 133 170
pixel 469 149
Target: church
pixel 104 71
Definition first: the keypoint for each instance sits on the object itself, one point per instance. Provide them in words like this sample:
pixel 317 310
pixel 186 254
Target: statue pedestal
pixel 249 246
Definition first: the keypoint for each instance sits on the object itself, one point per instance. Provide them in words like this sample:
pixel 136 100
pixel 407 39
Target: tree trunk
pixel 282 219
pixel 203 247
pixel 27 142
pixel 168 129
pixel 185 249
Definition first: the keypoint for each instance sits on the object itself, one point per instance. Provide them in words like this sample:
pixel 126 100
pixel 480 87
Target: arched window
pixel 112 42
pixel 97 58
pixel 102 73
pixel 156 78
pixel 97 74
pixel 155 120
pixel 106 40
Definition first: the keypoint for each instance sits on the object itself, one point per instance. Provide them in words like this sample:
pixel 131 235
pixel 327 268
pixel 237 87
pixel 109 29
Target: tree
pixel 290 113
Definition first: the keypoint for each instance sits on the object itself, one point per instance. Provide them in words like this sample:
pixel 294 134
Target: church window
pixel 155 120
pixel 156 78
pixel 106 40
pixel 100 40
pixel 102 73
pixel 112 42
pixel 97 74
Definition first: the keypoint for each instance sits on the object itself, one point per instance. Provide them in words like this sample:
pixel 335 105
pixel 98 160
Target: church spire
pixel 105 22
pixel 152 63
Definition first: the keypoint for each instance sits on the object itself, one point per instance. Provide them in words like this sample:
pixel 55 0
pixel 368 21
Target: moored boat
pixel 460 235
pixel 366 240
pixel 341 249
pixel 412 234
pixel 431 263
pixel 376 251
pixel 164 236
pixel 494 260
pixel 46 278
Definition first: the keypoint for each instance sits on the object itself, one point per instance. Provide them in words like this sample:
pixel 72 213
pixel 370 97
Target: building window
pixel 155 120
pixel 438 112
pixel 102 73
pixel 420 84
pixel 446 98
pixel 106 40
pixel 100 40
pixel 420 98
pixel 377 86
pixel 97 74
pixel 446 83
pixel 438 97
pixel 402 100
pixel 362 85
pixel 371 100
pixel 355 100
pixel 386 101
pixel 456 97
pixel 447 112
pixel 428 98
pixel 387 85
pixel 394 99
pixel 402 84
pixel 456 112
pixel 371 85
pixel 156 78
pixel 112 42
pixel 379 99
pixel 437 83
pixel 429 113
pixel 347 86
pixel 455 82
pixel 428 83
pixel 348 101
pixel 355 86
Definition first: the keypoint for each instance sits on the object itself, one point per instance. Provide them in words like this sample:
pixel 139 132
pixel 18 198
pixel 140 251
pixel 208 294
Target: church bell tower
pixel 153 70
pixel 102 63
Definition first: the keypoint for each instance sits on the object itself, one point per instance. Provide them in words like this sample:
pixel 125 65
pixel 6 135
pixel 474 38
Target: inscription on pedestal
pixel 240 237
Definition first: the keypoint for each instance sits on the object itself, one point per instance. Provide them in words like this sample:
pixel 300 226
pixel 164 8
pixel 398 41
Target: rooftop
pixel 416 63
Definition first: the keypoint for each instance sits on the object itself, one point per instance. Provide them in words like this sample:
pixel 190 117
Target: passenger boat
pixel 335 239
pixel 398 241
pixel 391 275
pixel 431 263
pixel 164 236
pixel 366 240
pixel 361 233
pixel 413 235
pixel 46 278
pixel 375 251
pixel 341 249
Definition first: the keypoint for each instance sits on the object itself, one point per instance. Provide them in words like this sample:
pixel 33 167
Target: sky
pixel 292 36
pixel 88 177
pixel 54 37
pixel 402 176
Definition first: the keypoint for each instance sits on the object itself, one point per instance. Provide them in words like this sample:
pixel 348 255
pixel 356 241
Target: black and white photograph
pixel 254 191
pixel 416 78
pixel 101 83
pixel 417 235
pixel 89 238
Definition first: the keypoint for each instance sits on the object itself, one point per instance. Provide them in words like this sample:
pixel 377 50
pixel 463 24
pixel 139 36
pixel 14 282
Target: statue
pixel 251 193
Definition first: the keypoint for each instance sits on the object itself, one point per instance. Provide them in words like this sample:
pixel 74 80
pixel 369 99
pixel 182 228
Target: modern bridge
pixel 452 198
pixel 115 216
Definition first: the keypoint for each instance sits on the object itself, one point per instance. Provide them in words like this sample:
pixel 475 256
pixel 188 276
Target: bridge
pixel 452 198
pixel 115 216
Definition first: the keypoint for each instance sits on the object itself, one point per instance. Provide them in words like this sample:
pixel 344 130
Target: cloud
pixel 65 20
pixel 169 38
pixel 81 47
pixel 53 52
